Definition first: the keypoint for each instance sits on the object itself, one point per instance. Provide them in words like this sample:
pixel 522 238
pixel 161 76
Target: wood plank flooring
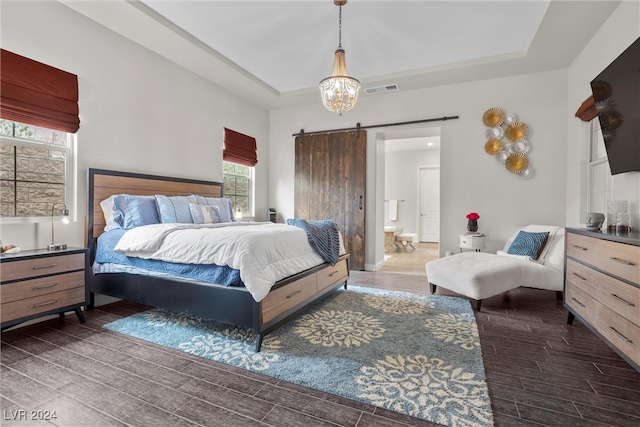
pixel 540 372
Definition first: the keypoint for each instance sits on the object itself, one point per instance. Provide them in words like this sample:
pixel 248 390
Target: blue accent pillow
pixel 203 214
pixel 134 211
pixel 223 204
pixel 172 209
pixel 528 244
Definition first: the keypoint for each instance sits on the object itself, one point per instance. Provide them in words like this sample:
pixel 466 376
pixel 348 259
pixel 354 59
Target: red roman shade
pixel 587 110
pixel 38 94
pixel 239 148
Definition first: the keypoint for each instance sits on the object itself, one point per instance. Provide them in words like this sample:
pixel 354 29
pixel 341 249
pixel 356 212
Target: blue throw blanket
pixel 323 237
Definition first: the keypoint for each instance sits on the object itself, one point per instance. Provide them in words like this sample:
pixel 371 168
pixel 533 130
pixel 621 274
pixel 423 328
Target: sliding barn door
pixel 330 178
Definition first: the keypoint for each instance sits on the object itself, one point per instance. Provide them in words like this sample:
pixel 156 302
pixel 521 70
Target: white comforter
pixel 263 252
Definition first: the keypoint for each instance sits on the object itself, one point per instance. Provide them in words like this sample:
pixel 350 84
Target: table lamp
pixel 65 220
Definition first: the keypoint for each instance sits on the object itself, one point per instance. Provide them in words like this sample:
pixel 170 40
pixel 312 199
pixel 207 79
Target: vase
pixel 472 225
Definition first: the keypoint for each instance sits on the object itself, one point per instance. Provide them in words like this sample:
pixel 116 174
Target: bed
pixel 228 304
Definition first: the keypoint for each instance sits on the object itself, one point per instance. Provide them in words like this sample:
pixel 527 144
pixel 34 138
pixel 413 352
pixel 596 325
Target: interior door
pixel 330 181
pixel 429 193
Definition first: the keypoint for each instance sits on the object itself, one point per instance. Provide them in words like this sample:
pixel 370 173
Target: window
pixel 599 180
pixel 36 171
pixel 238 186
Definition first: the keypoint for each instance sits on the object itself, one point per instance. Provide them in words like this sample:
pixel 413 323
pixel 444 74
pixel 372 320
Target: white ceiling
pixel 274 53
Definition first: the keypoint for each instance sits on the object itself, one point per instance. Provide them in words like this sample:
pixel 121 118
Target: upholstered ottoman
pixel 481 275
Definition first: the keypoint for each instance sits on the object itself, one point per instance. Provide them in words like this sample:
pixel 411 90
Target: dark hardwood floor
pixel 540 372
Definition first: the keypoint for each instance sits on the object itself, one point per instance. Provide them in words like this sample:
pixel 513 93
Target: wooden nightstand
pixel 39 282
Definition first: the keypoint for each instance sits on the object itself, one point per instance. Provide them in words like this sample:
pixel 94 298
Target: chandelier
pixel 339 91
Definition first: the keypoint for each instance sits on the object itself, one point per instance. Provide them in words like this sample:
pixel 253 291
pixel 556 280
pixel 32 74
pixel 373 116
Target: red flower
pixel 473 215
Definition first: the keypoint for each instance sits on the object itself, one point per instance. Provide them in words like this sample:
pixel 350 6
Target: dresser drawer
pixel 40 304
pixel 620 332
pixel 34 267
pixel 332 275
pixel 618 259
pixel 41 286
pixel 621 297
pixel 582 277
pixel 282 299
pixel 581 303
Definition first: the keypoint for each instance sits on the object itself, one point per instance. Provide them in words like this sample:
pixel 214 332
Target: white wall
pixel 618 32
pixel 471 180
pixel 138 111
pixel 401 183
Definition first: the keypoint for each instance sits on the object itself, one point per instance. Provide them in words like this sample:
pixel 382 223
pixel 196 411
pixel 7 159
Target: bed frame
pixel 233 305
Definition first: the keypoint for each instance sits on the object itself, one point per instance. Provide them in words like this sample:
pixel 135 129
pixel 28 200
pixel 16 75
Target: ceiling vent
pixel 381 89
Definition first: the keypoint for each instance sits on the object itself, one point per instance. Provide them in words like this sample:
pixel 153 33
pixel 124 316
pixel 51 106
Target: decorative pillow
pixel 204 214
pixel 528 244
pixel 173 209
pixel 223 204
pixel 134 211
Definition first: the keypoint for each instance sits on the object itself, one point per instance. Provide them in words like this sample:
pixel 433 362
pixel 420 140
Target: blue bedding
pixel 222 275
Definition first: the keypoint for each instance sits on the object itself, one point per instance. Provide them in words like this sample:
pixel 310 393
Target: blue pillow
pixel 203 214
pixel 172 209
pixel 223 204
pixel 134 211
pixel 528 244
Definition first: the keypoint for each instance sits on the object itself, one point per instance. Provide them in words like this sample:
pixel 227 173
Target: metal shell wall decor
pixel 507 140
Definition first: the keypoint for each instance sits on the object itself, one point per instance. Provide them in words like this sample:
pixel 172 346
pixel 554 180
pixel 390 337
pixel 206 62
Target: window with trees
pixel 238 186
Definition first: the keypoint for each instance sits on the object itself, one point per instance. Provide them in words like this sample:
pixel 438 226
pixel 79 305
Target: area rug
pixel 415 354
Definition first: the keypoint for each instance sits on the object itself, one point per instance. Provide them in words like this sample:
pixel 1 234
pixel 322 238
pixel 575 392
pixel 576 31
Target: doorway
pixel 412 183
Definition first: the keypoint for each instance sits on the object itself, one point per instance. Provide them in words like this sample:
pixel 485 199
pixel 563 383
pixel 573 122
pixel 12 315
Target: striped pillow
pixel 528 244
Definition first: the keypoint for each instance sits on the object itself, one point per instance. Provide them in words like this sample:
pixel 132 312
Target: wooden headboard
pixel 104 183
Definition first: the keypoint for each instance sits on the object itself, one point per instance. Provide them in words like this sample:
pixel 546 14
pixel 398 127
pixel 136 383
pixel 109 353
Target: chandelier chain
pixel 340 28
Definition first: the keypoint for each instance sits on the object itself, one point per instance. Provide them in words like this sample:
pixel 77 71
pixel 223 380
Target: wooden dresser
pixel 602 287
pixel 40 282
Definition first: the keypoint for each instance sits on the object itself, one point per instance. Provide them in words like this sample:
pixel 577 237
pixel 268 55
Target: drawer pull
pixel 42 304
pixel 40 267
pixel 630 304
pixel 295 293
pixel 582 248
pixel 576 274
pixel 335 272
pixel 37 288
pixel 620 335
pixel 579 303
pixel 622 261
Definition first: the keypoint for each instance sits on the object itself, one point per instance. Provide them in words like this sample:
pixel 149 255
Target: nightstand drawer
pixel 41 286
pixel 41 304
pixel 41 266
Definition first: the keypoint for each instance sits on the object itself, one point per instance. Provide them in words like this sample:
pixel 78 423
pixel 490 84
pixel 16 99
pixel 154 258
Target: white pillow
pixel 108 209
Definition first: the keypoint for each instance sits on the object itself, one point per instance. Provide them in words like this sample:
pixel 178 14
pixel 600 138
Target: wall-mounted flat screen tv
pixel 616 92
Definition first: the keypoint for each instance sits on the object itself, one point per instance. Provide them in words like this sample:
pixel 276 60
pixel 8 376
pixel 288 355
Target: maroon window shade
pixel 587 110
pixel 239 148
pixel 37 94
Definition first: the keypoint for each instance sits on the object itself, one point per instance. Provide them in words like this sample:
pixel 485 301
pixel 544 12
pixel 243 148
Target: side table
pixel 40 282
pixel 475 242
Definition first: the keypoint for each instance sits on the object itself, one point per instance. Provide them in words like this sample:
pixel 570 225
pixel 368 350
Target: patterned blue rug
pixel 415 354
